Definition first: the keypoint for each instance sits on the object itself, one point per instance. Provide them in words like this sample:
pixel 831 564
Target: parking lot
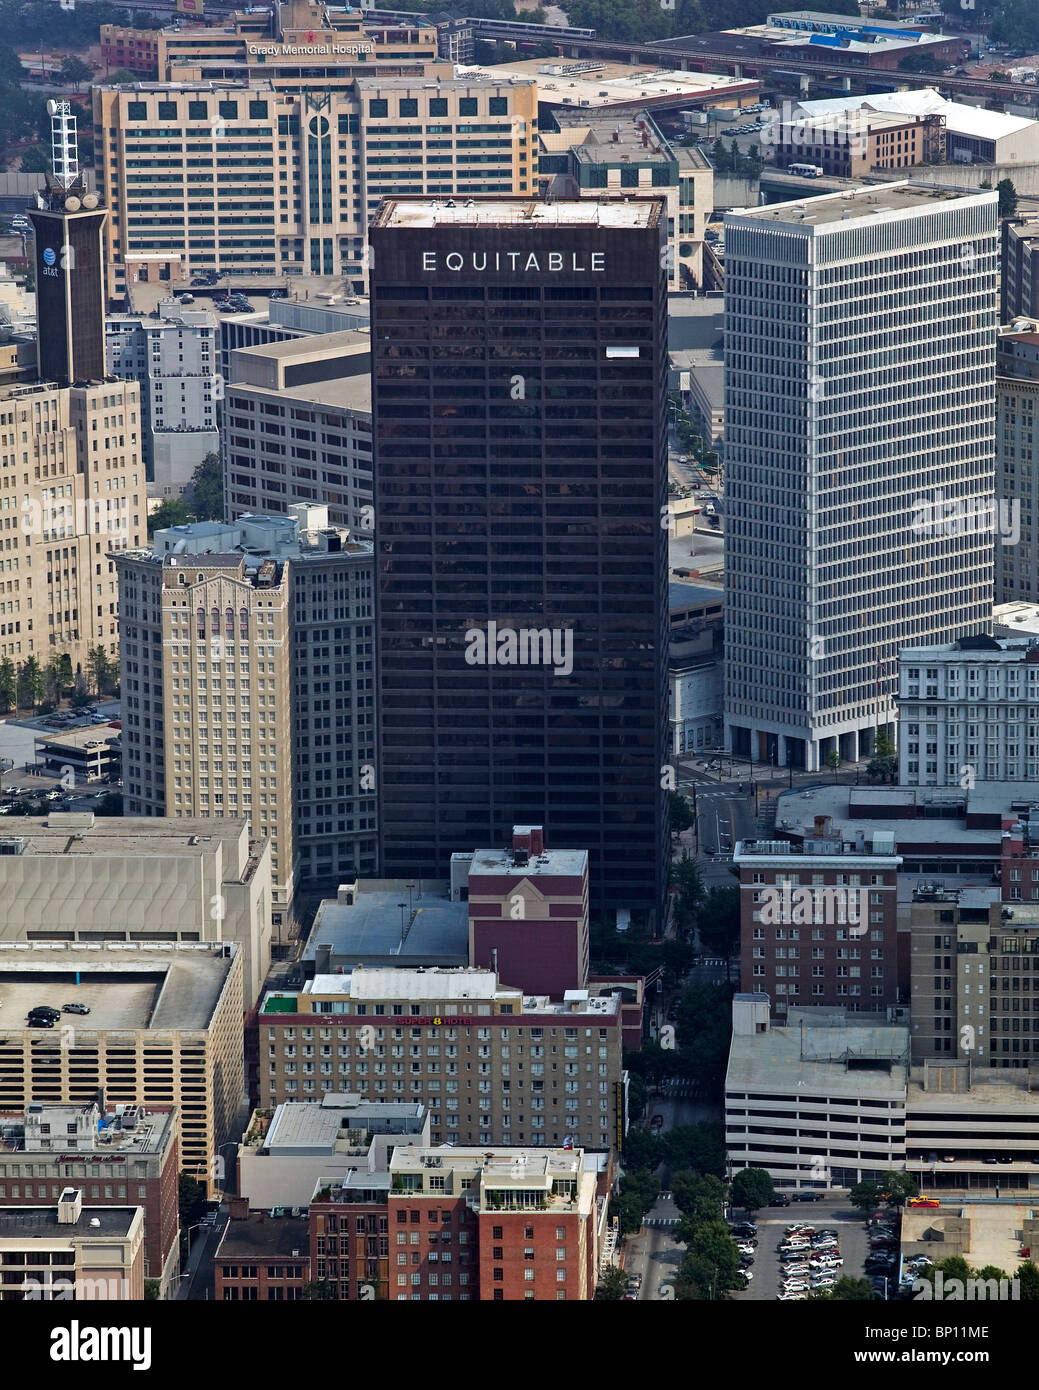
pixel 833 1212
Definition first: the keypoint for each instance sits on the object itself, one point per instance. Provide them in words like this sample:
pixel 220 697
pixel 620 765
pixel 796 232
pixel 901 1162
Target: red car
pixel 923 1202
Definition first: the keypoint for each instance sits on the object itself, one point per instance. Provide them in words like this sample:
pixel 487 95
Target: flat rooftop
pixel 618 83
pixel 995 1231
pixel 569 863
pixel 853 205
pixel 517 212
pixel 260 1235
pixel 72 832
pixel 370 928
pixel 41 1223
pixel 505 1162
pixel 125 987
pixel 806 1052
pixel 394 983
pixel 300 1127
pixel 340 393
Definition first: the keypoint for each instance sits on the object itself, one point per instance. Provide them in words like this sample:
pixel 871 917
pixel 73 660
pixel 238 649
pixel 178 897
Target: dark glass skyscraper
pixel 519 393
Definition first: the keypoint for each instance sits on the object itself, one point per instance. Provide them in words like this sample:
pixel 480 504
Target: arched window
pixel 201 615
pixel 229 622
pixel 243 622
pixel 216 622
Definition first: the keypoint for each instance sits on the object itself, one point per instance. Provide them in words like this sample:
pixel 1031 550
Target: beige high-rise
pixel 206 680
pixel 72 489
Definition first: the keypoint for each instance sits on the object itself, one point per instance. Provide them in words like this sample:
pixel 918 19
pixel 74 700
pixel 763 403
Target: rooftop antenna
pixel 64 148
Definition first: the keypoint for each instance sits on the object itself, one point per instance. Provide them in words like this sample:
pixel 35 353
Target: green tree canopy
pixel 751 1189
pixel 700 1196
pixel 680 812
pixel 74 70
pixel 174 511
pixel 206 489
pixel 612 1285
pixel 1007 197
pixel 718 921
pixel 191 1198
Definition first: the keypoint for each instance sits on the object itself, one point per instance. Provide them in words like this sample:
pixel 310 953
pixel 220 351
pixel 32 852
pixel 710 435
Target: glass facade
pixel 521 473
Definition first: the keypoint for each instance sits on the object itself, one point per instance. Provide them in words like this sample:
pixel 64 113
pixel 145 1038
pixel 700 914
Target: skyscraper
pixel 519 375
pixel 859 445
pixel 68 222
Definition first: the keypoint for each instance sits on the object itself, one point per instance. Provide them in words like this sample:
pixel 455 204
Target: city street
pixel 655 1254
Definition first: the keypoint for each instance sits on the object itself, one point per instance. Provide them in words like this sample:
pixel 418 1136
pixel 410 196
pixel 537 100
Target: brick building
pixel 262 1257
pixel 528 913
pixel 349 1237
pixel 122 1157
pixel 515 1226
pixel 819 922
pixel 492 1064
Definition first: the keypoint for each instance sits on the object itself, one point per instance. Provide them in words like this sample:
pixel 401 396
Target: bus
pixel 805 171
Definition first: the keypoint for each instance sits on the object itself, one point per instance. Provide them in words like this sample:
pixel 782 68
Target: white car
pixel 791 1297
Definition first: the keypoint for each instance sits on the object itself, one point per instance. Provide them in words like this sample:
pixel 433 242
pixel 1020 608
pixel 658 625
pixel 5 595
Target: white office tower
pixel 859 447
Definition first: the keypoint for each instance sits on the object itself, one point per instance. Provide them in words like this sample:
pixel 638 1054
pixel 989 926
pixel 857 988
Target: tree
pixel 865 1196
pixel 35 160
pixel 699 1147
pixel 206 489
pixel 687 881
pixel 751 1189
pixel 152 1288
pixel 847 1289
pixel 80 693
pixel 718 921
pixel 1007 197
pixel 191 1200
pixel 52 678
pixel 111 804
pixel 680 813
pixel 30 682
pixel 319 1291
pixel 899 1187
pixel 678 957
pixel 122 76
pixel 100 669
pixel 8 684
pixel 612 1286
pixel 698 1195
pixel 833 762
pixel 642 1152
pixel 74 70
pixel 66 677
pixel 174 511
pixel 1027 1276
pixel 697 1280
pixel 998 75
pixel 713 1242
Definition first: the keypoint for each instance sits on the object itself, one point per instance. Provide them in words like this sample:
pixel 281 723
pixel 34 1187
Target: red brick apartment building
pixel 263 1257
pixel 517 1225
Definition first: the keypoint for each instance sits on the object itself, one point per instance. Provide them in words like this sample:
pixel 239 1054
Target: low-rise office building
pixel 164 1026
pixel 115 1156
pixel 71 1250
pixel 343 1140
pixel 262 1257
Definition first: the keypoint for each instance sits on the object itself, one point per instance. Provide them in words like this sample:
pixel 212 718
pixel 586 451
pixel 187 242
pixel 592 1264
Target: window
pixel 467 106
pixel 438 106
pixel 408 106
pixel 378 107
pixel 499 106
pixel 197 111
pixel 228 110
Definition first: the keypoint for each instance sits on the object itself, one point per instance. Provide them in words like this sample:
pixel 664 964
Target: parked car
pixel 808 1196
pixel 40 1023
pixel 279 294
pixel 922 1202
pixel 75 1008
pixel 780 1200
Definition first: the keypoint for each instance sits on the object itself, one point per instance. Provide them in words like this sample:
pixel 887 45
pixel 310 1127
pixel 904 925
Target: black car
pixel 45 1011
pixel 808 1196
pixel 38 1022
pixel 780 1200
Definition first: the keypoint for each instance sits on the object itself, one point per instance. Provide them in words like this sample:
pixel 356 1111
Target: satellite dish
pixel 72 204
pixel 52 107
pixel 89 200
